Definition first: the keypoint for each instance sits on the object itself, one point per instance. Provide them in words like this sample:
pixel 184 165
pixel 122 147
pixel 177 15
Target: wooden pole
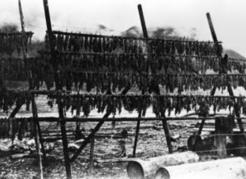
pixel 2 78
pixel 11 117
pixel 211 26
pixel 136 135
pixel 64 141
pixel 214 36
pixel 29 73
pixel 58 87
pixel 164 121
pixel 236 109
pixel 220 55
pixel 220 140
pixel 168 136
pixel 88 139
pixel 37 139
pixel 24 38
pixel 48 24
pixel 141 15
pixel 94 131
pixel 91 165
pixel 145 34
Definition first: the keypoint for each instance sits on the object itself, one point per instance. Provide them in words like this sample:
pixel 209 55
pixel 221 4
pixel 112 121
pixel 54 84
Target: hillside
pixel 233 54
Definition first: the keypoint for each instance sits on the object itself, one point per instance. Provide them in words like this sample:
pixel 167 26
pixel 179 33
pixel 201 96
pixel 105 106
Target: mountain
pixel 233 54
pixel 133 31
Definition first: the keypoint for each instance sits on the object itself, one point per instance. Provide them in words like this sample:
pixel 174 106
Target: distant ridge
pixel 233 54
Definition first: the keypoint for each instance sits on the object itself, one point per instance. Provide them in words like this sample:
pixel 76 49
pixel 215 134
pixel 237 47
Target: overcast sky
pixel 187 16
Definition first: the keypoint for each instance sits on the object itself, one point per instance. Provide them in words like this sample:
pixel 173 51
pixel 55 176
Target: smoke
pixel 9 28
pixel 161 33
pixel 133 31
pixel 82 17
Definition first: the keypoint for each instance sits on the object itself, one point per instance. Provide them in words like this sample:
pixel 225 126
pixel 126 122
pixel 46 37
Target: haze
pixel 187 16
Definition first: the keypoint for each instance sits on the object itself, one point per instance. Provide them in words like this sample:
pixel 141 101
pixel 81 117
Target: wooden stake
pixel 48 24
pixel 91 165
pixel 88 139
pixel 141 15
pixel 136 135
pixel 2 81
pixel 210 23
pixel 167 134
pixel 221 140
pixel 64 140
pixel 37 130
pixel 94 131
pixel 164 122
pixel 37 139
pixel 10 118
pixel 145 34
pixel 211 26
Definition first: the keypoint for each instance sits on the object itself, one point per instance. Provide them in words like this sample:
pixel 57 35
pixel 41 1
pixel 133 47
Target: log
pixel 231 168
pixel 146 168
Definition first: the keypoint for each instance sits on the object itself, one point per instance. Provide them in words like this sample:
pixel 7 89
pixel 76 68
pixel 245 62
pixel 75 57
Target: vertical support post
pixel 145 34
pixel 236 109
pixel 91 165
pixel 64 140
pixel 11 117
pixel 221 140
pixel 91 135
pixel 136 135
pixel 211 26
pixel 60 105
pixel 2 83
pixel 141 15
pixel 220 137
pixel 48 24
pixel 219 50
pixel 168 137
pixel 214 36
pixel 218 46
pixel 94 131
pixel 35 120
pixel 164 122
pixel 29 75
pixel 24 48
